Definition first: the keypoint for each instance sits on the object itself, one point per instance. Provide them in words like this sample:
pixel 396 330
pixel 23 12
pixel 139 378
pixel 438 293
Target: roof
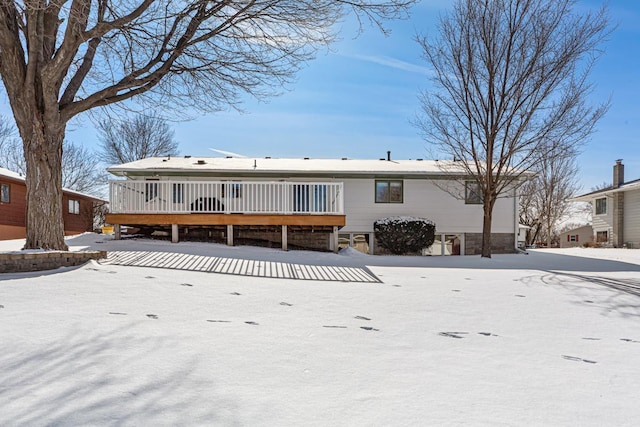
pixel 274 166
pixel 627 186
pixel 17 177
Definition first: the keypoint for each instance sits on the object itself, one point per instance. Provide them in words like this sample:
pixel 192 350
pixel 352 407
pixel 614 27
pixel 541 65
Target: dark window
pixel 178 191
pixel 150 191
pixel 473 193
pixel 602 237
pixel 388 191
pixel 74 207
pixel 5 193
pixel 234 191
pixel 601 206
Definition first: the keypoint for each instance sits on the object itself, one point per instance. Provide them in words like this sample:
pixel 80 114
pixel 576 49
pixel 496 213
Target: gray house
pixel 576 237
pixel 616 211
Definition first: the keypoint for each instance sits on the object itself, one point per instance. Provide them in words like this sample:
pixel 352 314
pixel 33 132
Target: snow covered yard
pixel 550 338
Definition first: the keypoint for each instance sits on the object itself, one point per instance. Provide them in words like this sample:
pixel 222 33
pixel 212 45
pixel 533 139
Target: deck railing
pixel 259 197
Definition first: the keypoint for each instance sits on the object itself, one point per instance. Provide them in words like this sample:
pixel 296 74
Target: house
pixel 576 237
pixel 78 208
pixel 304 203
pixel 615 211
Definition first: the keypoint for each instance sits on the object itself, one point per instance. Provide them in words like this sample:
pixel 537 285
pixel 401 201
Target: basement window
pixel 5 193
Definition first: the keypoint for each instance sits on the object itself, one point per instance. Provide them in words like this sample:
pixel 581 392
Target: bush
pixel 403 234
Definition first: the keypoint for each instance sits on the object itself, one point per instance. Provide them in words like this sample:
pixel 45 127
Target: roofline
pixel 22 180
pixel 606 191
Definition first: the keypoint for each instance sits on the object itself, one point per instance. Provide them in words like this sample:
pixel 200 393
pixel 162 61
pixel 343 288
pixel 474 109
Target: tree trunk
pixel 43 156
pixel 486 228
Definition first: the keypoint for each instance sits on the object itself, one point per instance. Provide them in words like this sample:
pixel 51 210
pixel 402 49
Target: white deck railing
pixel 259 197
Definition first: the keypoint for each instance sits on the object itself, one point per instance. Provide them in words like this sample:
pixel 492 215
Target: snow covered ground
pixel 549 338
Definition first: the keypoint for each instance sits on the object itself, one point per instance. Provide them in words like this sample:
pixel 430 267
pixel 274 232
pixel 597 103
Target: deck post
pixel 285 245
pixel 174 233
pixel 229 234
pixel 334 237
pixel 116 232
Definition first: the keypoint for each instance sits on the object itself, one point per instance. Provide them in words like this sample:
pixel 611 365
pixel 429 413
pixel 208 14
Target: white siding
pixel 603 222
pixel 632 217
pixel 422 198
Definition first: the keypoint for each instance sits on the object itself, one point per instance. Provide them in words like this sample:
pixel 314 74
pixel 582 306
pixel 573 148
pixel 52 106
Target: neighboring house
pixel 305 203
pixel 616 211
pixel 78 208
pixel 576 237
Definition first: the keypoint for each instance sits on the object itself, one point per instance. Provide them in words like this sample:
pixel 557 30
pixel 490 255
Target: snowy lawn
pixel 549 338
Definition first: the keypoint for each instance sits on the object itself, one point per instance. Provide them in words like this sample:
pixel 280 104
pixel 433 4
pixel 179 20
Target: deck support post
pixel 285 244
pixel 174 233
pixel 229 234
pixel 334 237
pixel 116 232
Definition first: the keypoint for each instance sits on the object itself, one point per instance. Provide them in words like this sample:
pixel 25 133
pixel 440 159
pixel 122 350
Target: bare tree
pixel 6 134
pixel 544 199
pixel 81 168
pixel 59 59
pixel 129 140
pixel 509 77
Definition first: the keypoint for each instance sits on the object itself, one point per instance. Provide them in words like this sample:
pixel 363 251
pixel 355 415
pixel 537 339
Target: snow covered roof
pixel 274 166
pixel 17 177
pixel 627 186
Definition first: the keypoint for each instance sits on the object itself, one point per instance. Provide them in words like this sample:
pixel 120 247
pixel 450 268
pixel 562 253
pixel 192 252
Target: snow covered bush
pixel 404 234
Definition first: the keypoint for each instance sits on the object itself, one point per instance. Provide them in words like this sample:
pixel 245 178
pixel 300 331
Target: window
pixel 572 238
pixel 234 190
pixel 150 191
pixel 601 206
pixel 309 198
pixel 178 191
pixel 388 191
pixel 473 193
pixel 74 207
pixel 602 237
pixel 5 193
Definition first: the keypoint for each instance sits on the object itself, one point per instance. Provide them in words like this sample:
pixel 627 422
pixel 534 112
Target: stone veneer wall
pixel 37 261
pixel 501 243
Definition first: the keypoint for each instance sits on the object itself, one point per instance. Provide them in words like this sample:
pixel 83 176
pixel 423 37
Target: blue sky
pixel 357 99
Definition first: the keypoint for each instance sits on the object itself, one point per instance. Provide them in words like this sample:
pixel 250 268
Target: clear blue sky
pixel 357 101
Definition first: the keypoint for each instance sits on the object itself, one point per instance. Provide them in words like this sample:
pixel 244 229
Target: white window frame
pixel 74 206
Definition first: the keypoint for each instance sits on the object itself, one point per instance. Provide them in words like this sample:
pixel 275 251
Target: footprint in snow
pixel 218 321
pixel 591 339
pixel 362 318
pixel 521 296
pixel 286 304
pixel 368 328
pixel 455 290
pixel 628 340
pixel 1 306
pixel 235 293
pixel 186 284
pixel 588 301
pixel 252 323
pixel 118 313
pixel 452 334
pixel 578 359
pixel 396 286
pixel 487 334
pixel 149 277
pixel 334 326
pixel 152 316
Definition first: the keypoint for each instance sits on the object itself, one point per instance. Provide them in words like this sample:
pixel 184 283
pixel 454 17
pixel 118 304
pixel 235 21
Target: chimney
pixel 388 156
pixel 618 174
